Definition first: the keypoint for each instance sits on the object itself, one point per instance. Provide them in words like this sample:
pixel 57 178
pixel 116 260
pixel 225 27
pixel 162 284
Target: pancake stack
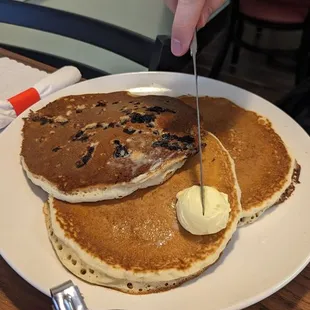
pixel 113 165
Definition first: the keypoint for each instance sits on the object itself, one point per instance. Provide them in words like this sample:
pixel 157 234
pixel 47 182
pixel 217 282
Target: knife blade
pixel 193 50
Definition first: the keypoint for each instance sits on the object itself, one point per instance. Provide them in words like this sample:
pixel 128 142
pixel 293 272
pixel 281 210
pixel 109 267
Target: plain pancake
pixel 264 165
pixel 136 244
pixel 104 146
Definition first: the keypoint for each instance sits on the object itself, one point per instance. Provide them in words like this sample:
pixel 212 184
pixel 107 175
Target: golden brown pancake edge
pixel 264 166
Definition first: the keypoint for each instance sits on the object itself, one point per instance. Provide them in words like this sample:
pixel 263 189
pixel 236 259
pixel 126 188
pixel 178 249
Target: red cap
pixel 24 100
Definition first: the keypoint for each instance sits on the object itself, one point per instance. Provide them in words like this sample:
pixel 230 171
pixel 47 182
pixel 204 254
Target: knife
pixel 193 50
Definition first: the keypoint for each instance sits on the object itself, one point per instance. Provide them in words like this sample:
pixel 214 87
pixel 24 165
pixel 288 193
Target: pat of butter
pixel 189 210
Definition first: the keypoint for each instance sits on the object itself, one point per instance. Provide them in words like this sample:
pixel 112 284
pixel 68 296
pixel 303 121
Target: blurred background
pixel 146 17
pixel 259 45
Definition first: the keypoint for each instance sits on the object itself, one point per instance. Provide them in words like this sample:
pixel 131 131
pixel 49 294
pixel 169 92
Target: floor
pixel 253 72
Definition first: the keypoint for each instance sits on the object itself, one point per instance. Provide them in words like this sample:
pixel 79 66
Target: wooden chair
pixel 284 15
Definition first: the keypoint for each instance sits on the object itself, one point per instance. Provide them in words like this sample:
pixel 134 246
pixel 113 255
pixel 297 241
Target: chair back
pixel 123 42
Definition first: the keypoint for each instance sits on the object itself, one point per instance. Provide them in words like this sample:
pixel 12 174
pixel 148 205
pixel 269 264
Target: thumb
pixel 185 21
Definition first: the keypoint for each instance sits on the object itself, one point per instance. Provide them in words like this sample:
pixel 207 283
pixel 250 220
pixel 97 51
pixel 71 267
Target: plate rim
pixel 245 303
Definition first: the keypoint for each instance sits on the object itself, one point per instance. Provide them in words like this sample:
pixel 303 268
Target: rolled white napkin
pixel 55 81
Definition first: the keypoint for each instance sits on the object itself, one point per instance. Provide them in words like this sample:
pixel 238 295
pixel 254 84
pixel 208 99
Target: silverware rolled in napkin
pixel 12 107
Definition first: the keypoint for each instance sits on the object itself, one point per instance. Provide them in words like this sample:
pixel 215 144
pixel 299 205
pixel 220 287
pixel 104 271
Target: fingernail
pixel 176 47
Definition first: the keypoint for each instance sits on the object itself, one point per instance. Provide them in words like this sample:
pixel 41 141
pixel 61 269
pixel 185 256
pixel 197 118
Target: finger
pixel 185 21
pixel 209 7
pixel 202 21
pixel 215 4
pixel 172 4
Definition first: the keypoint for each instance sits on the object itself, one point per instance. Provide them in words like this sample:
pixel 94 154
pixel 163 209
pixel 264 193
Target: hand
pixel 189 14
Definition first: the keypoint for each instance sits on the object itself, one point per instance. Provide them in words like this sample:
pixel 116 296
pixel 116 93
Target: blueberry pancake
pixel 95 147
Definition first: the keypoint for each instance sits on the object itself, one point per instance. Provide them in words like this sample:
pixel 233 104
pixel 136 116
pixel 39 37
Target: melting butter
pixel 189 210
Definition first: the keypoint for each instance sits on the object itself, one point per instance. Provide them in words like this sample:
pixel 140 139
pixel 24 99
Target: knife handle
pixel 194 45
pixel 67 296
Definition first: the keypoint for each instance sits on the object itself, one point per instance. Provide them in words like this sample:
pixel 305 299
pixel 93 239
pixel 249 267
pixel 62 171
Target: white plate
pixel 261 258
